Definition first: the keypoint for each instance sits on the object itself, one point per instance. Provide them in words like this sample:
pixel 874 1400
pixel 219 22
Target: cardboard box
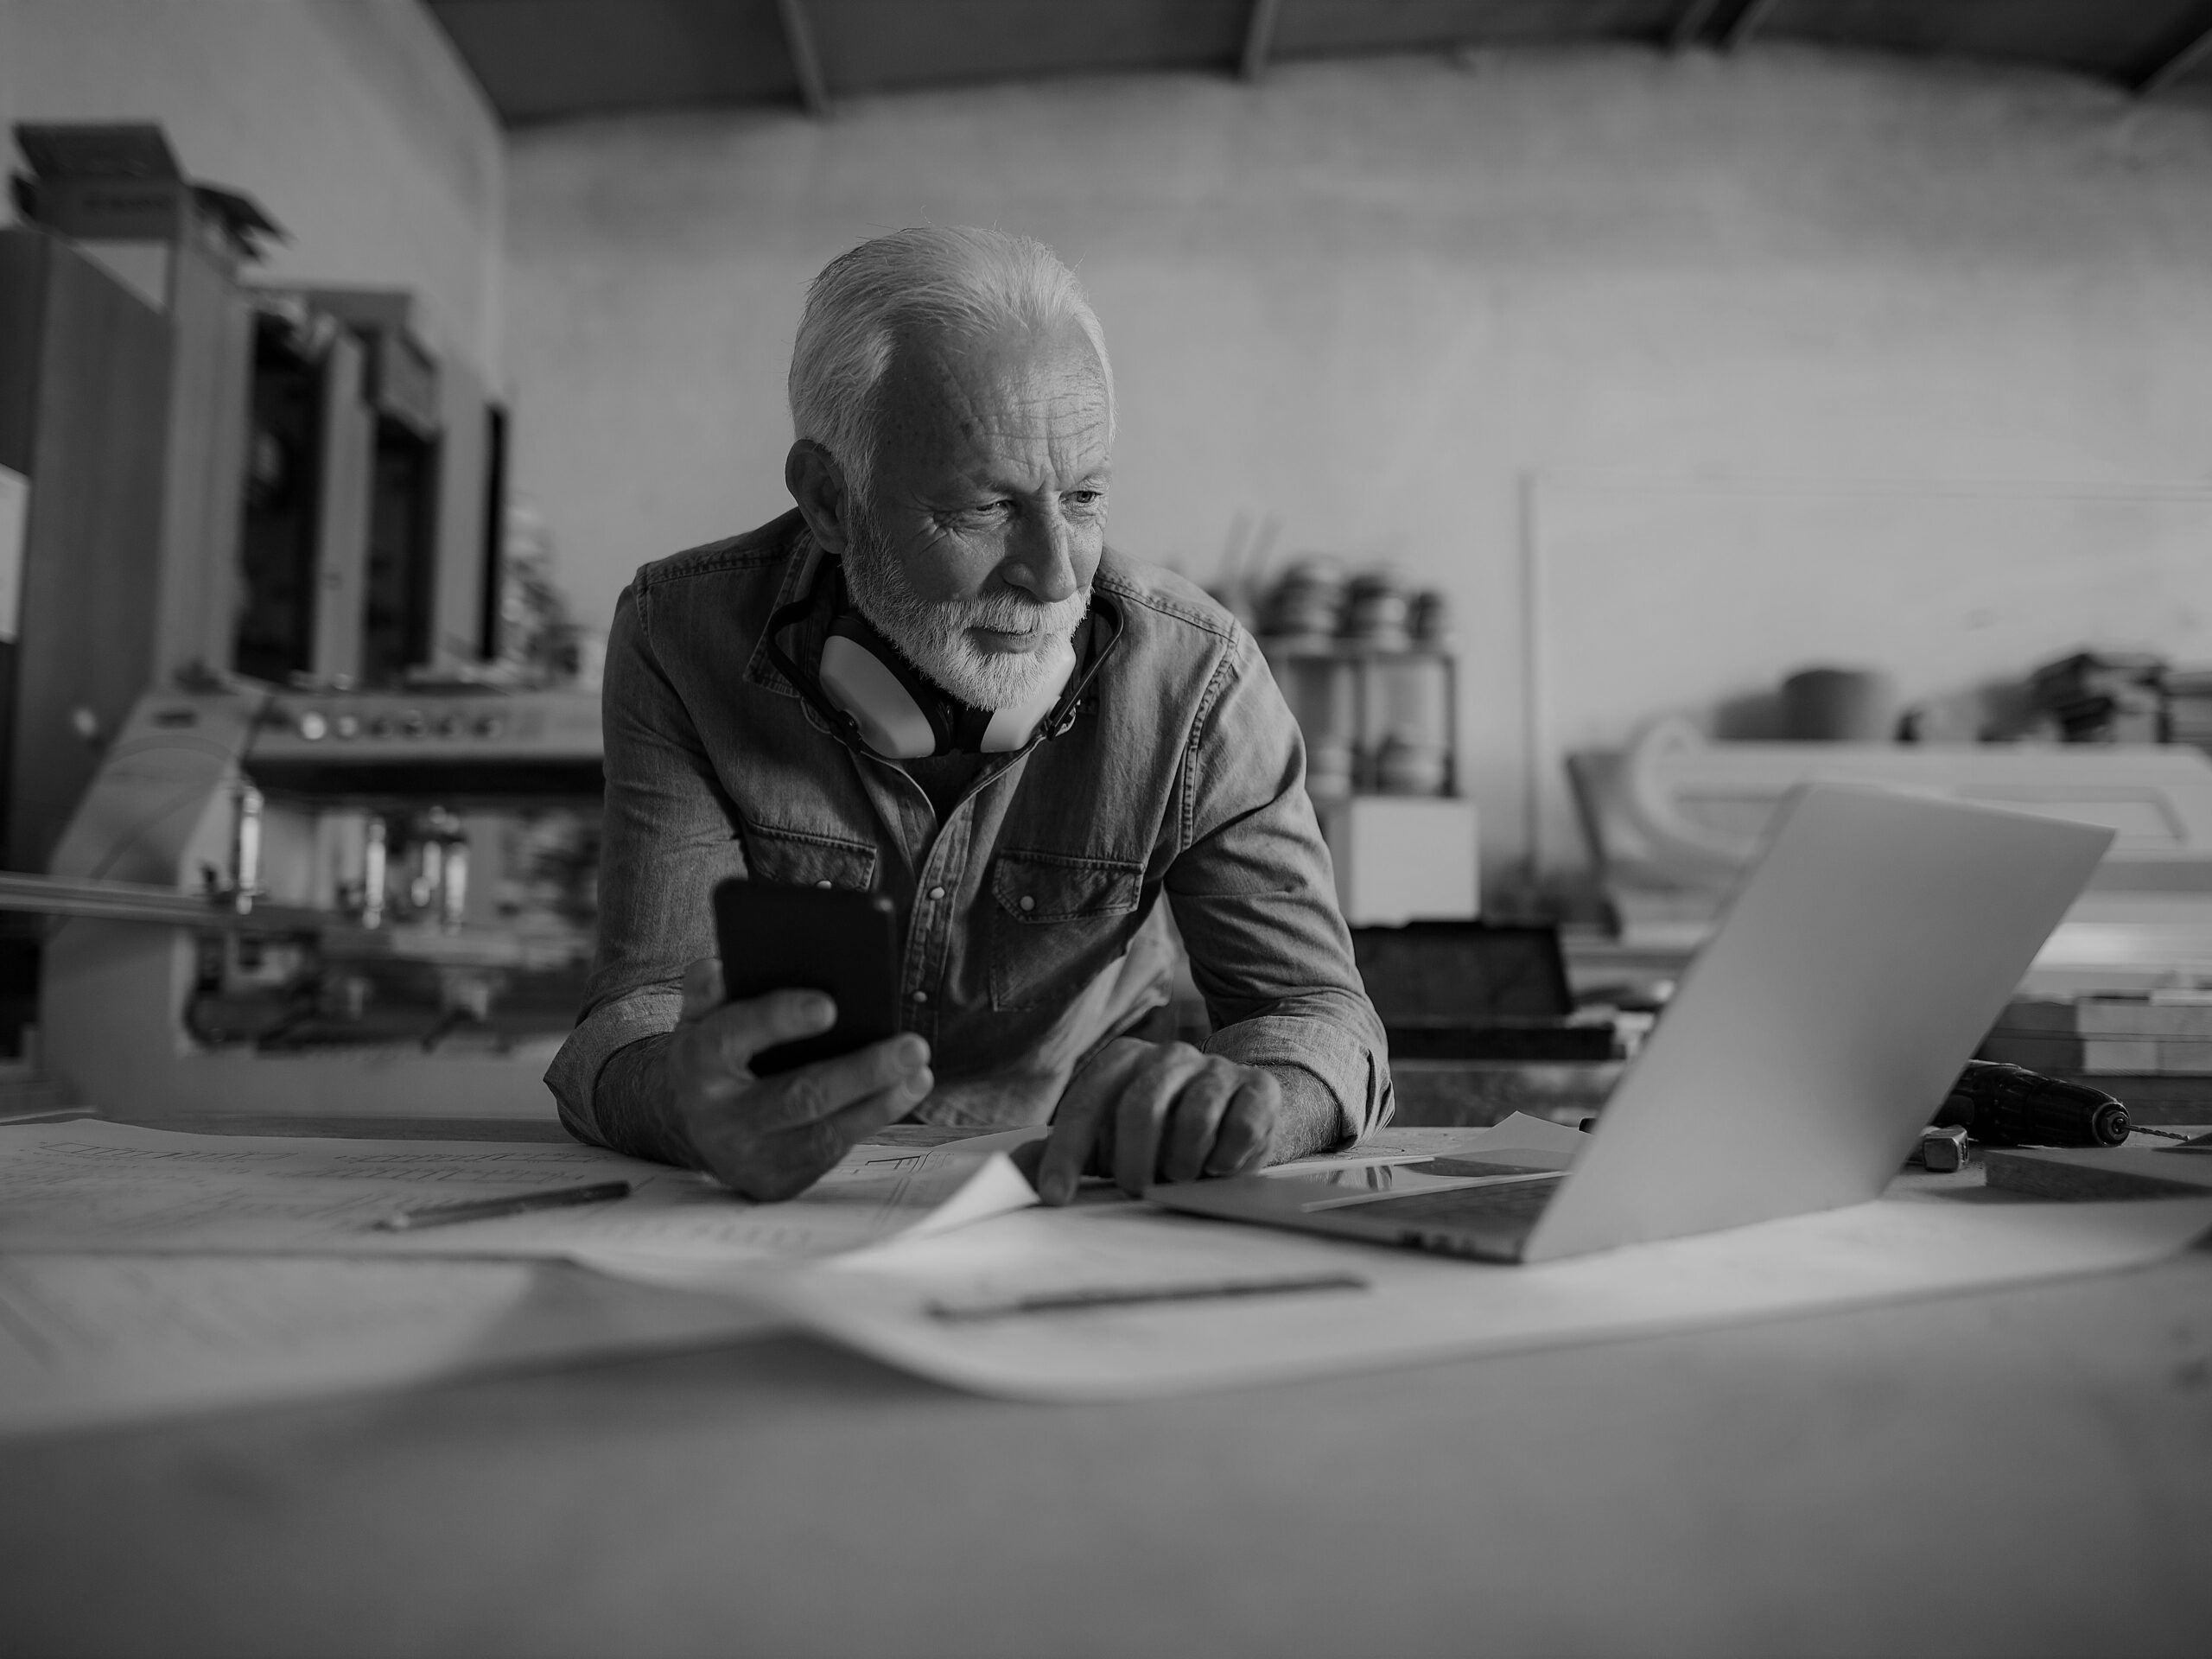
pixel 121 183
pixel 1402 858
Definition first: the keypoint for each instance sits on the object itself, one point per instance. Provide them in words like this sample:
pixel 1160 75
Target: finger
pixel 771 1168
pixel 1194 1121
pixel 737 1031
pixel 1141 1112
pixel 822 1089
pixel 1247 1127
pixel 885 1107
pixel 1083 1122
pixel 1067 1148
pixel 703 988
pixel 817 1145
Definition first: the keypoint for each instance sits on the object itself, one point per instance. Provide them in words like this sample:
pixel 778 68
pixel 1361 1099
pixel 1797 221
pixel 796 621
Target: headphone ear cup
pixel 894 722
pixel 1012 727
pixel 901 717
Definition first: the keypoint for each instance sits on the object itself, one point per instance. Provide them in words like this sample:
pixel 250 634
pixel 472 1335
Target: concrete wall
pixel 352 121
pixel 1572 311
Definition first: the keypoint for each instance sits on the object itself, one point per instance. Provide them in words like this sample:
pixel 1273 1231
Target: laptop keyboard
pixel 1488 1222
pixel 1518 1201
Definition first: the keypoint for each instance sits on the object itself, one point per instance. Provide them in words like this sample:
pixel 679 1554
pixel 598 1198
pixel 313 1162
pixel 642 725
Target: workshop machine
pixel 282 831
pixel 337 903
pixel 1673 821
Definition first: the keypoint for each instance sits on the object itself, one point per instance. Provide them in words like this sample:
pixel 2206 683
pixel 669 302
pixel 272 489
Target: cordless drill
pixel 2011 1106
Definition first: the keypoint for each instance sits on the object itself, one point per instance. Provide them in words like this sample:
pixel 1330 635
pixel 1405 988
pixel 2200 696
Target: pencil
pixel 1144 1295
pixel 438 1215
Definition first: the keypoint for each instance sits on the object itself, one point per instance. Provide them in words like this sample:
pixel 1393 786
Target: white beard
pixel 932 634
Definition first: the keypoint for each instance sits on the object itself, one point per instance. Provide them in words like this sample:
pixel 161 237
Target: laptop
pixel 1860 962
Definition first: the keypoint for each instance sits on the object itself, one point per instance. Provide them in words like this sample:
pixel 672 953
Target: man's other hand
pixel 1141 1112
pixel 770 1138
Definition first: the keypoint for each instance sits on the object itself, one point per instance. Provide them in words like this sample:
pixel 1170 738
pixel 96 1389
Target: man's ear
pixel 817 484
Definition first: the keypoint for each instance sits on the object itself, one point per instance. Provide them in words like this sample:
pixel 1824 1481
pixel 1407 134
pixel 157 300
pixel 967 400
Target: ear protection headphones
pixel 874 698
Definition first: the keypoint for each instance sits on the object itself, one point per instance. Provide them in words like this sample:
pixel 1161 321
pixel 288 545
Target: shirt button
pixel 1028 902
pixel 822 884
pixel 921 996
pixel 937 893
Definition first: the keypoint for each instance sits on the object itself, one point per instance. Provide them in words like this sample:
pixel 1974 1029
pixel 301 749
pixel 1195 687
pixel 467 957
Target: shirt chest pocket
pixel 795 858
pixel 1055 922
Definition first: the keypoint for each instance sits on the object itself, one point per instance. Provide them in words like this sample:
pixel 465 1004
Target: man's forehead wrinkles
pixel 1022 415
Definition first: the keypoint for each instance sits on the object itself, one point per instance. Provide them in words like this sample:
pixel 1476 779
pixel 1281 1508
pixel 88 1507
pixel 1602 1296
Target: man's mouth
pixel 1010 639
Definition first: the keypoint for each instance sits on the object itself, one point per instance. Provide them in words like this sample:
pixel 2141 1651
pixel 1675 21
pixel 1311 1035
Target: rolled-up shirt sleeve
pixel 669 835
pixel 1254 900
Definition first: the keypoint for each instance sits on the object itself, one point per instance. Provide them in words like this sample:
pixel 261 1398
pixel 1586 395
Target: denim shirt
pixel 1032 918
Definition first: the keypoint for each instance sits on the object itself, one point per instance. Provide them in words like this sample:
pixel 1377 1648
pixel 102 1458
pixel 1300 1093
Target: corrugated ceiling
pixel 548 60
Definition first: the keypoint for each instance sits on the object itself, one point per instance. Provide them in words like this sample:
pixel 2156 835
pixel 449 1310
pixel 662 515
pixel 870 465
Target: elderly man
pixel 1081 737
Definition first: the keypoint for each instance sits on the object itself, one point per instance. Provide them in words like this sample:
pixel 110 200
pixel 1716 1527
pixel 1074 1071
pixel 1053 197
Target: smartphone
pixel 835 940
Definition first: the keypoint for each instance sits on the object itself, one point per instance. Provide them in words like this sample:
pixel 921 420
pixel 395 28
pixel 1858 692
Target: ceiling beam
pixel 2190 56
pixel 1691 24
pixel 806 63
pixel 1738 35
pixel 1259 38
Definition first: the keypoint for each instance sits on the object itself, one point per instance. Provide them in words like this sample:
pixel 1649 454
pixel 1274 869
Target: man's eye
pixel 1085 498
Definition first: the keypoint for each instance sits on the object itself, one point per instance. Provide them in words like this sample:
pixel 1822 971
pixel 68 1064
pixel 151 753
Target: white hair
pixel 927 281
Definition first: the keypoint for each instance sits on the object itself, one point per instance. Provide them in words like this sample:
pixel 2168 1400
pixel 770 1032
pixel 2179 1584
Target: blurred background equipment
pixel 1839 705
pixel 1673 819
pixel 2152 1048
pixel 397 899
pixel 1368 671
pixel 1478 991
pixel 2102 697
pixel 123 343
pixel 302 785
pixel 1482 1021
pixel 2189 706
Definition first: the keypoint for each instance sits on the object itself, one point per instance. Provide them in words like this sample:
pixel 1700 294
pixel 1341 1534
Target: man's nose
pixel 1042 561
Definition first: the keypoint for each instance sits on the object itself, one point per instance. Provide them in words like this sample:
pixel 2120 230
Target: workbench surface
pixel 2025 1472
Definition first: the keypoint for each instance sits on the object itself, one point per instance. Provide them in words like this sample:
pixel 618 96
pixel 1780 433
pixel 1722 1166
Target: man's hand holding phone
pixel 773 1137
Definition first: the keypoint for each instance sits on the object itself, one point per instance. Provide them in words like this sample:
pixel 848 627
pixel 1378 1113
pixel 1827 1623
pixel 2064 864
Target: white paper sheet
pixel 945 1308
pixel 88 1340
pixel 88 1185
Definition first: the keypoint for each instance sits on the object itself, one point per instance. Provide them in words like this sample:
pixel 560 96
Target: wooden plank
pixel 2098 1173
pixel 2191 56
pixel 1259 37
pixel 806 62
